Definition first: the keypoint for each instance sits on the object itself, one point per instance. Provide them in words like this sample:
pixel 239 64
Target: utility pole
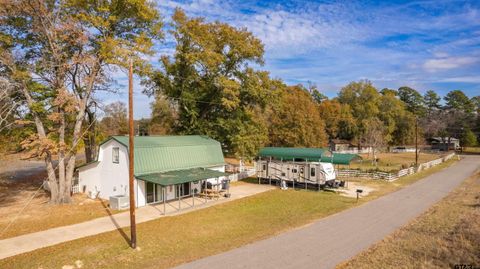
pixel 416 141
pixel 133 227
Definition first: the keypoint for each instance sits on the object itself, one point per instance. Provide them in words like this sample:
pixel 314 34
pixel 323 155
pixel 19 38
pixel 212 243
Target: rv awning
pixel 340 158
pixel 307 154
pixel 181 176
pixel 311 154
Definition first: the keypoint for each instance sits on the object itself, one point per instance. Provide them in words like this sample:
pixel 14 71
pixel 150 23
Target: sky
pixel 426 45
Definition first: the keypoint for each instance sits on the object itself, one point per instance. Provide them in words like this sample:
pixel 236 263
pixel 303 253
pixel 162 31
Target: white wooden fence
pixel 392 176
pixel 247 172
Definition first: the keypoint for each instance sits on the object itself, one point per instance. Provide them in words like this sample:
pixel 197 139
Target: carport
pixel 182 181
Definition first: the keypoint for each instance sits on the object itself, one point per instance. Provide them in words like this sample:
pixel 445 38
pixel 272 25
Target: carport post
pixel 178 192
pixel 164 201
pixel 218 192
pixel 193 195
pixel 205 191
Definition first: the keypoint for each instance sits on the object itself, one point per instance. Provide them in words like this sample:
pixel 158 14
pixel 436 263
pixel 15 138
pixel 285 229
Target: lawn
pixel 446 235
pixel 170 241
pixel 390 162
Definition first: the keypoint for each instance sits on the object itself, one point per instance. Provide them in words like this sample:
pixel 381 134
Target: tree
pixel 387 91
pixel 363 98
pixel 8 103
pixel 432 101
pixel 316 94
pixel 374 135
pixel 68 48
pixel 468 139
pixel 338 118
pixel 163 116
pixel 398 122
pixel 295 121
pixel 413 99
pixel 457 100
pixel 115 121
pixel 210 80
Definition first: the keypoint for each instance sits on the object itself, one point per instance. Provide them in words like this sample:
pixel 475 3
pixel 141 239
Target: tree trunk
pixel 61 160
pixel 52 179
pixel 90 140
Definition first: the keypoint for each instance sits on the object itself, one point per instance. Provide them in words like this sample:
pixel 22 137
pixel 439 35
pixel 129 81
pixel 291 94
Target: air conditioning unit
pixel 119 202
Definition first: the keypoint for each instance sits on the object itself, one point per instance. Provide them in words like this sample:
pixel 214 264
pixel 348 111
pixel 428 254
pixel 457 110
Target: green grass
pixel 390 162
pixel 447 234
pixel 170 241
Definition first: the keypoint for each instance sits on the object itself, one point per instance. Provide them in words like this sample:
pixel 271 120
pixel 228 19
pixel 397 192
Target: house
pixel 340 145
pixel 166 168
pixel 300 166
pixel 345 146
pixel 444 143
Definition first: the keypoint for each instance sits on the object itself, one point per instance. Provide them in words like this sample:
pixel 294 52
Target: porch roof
pixel 181 176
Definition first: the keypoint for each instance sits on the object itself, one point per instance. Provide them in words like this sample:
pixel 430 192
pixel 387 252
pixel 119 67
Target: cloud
pixel 464 79
pixel 446 63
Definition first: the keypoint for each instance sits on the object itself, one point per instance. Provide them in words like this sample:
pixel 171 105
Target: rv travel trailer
pixel 301 166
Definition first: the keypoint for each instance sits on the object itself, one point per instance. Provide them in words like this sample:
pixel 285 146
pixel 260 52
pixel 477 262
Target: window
pixel 115 155
pixel 312 171
pixel 294 170
pixel 264 167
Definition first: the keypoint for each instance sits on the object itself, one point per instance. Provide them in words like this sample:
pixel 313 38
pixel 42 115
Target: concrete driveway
pixel 340 237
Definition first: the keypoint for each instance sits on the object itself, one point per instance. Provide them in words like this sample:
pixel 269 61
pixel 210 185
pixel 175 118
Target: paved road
pixel 337 238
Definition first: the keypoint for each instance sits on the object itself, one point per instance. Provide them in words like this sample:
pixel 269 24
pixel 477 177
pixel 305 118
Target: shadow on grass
pixel 119 229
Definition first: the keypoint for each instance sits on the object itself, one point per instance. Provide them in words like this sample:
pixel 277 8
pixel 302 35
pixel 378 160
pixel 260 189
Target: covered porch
pixel 180 189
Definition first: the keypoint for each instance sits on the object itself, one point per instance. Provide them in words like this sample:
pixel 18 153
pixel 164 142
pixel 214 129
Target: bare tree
pixel 374 136
pixel 8 103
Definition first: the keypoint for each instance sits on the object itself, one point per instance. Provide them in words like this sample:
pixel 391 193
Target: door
pixel 158 193
pixel 150 193
pixel 186 189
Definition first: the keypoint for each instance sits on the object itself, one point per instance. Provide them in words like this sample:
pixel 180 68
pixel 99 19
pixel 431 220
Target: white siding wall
pixel 110 178
pixel 140 198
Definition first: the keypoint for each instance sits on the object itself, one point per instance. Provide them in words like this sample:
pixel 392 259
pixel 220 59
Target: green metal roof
pixel 308 154
pixel 340 158
pixel 181 176
pixel 155 154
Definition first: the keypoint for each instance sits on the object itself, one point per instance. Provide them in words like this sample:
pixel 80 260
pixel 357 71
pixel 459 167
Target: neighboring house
pixel 166 168
pixel 340 145
pixel 345 146
pixel 444 143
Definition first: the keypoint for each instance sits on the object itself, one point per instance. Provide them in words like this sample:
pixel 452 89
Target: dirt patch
pixel 351 190
pixel 19 181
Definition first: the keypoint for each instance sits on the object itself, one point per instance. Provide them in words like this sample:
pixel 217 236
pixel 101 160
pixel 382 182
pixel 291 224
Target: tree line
pixel 55 57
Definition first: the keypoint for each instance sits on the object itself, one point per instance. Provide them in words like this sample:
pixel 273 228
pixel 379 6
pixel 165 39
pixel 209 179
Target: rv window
pixel 283 174
pixel 294 170
pixel 115 155
pixel 264 168
pixel 312 171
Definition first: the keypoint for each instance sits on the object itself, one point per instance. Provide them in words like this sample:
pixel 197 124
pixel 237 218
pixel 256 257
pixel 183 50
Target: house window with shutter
pixel 115 155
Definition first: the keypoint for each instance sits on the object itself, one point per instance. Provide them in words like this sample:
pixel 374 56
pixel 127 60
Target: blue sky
pixel 427 45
